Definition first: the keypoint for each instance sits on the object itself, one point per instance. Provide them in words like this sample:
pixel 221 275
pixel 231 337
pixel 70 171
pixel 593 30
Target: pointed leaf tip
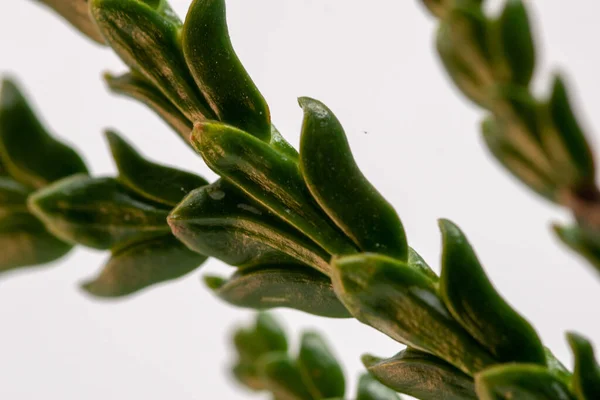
pixel 586 374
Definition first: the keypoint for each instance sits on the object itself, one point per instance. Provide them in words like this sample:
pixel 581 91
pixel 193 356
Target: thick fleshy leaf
pixel 279 143
pixel 401 302
pixel 219 73
pixel 289 286
pixel 270 178
pixel 473 301
pixel 137 87
pixel 97 212
pixel 23 140
pixel 586 374
pixel 153 181
pixel 143 264
pixel 148 41
pixel 322 373
pixel 520 381
pixel 370 389
pixel 77 13
pixel 282 377
pixel 340 188
pixel 417 262
pixel 220 221
pixel 421 375
pixel 581 242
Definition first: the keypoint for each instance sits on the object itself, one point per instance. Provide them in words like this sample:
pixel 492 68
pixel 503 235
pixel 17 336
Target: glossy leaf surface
pixel 219 73
pixel 473 301
pixel 341 189
pixel 30 155
pixel 77 13
pixel 270 178
pixel 421 375
pixel 401 302
pixel 156 182
pixel 370 389
pixel 289 286
pixel 586 374
pixel 97 212
pixel 417 262
pixel 322 373
pixel 143 264
pixel 221 221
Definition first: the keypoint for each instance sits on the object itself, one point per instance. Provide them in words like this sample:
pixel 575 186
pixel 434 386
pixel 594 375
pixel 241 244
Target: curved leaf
pixel 421 375
pixel 586 374
pixel 474 303
pixel 148 41
pixel 370 389
pixel 288 286
pixel 143 264
pixel 270 178
pixel 341 189
pixel 219 73
pixel 417 262
pixel 282 377
pixel 77 13
pixel 23 139
pixel 401 302
pixel 153 181
pixel 137 87
pixel 322 373
pixel 520 381
pixel 97 212
pixel 579 241
pixel 279 143
pixel 220 221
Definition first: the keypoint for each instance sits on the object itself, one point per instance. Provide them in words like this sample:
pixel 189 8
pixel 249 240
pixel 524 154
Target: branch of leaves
pixel 492 62
pixel 264 364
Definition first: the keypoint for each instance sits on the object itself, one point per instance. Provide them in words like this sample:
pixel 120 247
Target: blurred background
pixel 415 138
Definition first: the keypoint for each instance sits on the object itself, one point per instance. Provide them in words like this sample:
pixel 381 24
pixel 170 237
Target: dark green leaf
pixel 417 262
pixel 153 181
pixel 267 335
pixel 520 381
pixel 401 302
pixel 270 178
pixel 586 374
pixel 23 141
pixel 220 221
pixel 421 375
pixel 13 197
pixel 517 47
pixel 322 373
pixel 283 378
pixel 137 87
pixel 97 212
pixel 473 301
pixel 571 134
pixel 77 13
pixel 148 41
pixel 271 331
pixel 370 389
pixel 578 240
pixel 340 188
pixel 219 73
pixel 289 286
pixel 143 264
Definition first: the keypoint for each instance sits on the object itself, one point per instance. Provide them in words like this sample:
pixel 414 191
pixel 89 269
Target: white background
pixel 413 135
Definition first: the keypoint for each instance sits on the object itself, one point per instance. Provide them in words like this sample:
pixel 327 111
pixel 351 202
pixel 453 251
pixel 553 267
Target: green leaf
pixel 135 86
pixel 557 368
pixel 97 212
pixel 283 378
pixel 153 181
pixel 271 331
pixel 220 221
pixel 517 49
pixel 579 241
pixel 475 304
pixel 586 374
pixel 148 41
pixel 25 243
pixel 143 264
pixel 23 139
pixel 267 335
pixel 322 373
pixel 77 13
pixel 572 136
pixel 401 302
pixel 520 381
pixel 421 375
pixel 417 262
pixel 370 389
pixel 270 178
pixel 13 197
pixel 289 286
pixel 219 73
pixel 340 188
pixel 279 143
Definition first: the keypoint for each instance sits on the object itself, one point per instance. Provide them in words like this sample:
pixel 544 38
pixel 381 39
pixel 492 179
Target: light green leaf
pixel 586 374
pixel 370 389
pixel 340 188
pixel 322 373
pixel 417 262
pixel 289 286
